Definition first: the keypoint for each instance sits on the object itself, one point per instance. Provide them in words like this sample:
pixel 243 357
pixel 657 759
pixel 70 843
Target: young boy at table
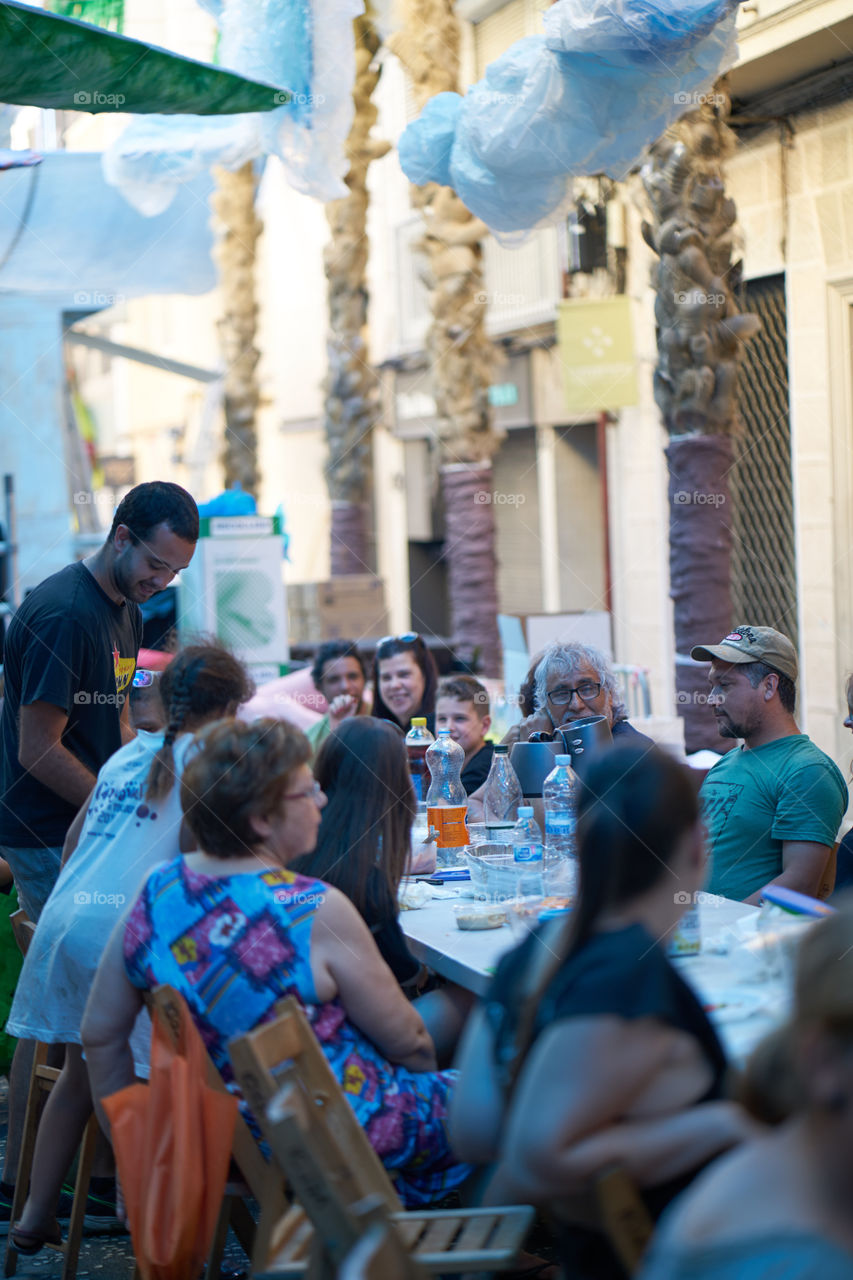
pixel 462 706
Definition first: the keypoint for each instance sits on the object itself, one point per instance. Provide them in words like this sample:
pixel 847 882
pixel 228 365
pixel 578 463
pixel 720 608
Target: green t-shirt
pixel 317 733
pixel 753 800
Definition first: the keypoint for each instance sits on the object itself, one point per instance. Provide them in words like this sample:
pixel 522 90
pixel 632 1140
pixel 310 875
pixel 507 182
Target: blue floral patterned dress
pixel 234 946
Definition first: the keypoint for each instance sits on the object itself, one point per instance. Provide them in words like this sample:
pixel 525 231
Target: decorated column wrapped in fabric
pixel 460 354
pixel 351 388
pixel 699 334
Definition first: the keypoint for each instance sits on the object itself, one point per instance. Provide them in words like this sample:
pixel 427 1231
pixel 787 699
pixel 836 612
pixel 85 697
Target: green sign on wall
pixel 596 345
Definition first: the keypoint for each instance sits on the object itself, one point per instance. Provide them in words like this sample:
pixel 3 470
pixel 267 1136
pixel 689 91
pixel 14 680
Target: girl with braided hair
pixel 130 823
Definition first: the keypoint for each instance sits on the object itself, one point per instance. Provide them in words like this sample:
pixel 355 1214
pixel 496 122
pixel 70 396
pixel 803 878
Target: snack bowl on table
pixel 479 915
pixel 497 876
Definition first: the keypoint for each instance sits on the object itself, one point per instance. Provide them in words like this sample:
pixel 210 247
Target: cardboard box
pixel 349 607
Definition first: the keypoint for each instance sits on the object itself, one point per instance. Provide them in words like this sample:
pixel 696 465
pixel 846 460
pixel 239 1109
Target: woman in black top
pixel 405 679
pixel 591 1050
pixel 365 830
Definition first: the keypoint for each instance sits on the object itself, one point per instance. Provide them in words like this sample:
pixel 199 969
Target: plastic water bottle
pixel 560 796
pixel 447 800
pixel 418 739
pixel 526 837
pixel 501 797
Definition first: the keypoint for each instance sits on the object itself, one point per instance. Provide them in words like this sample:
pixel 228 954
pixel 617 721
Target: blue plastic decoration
pixel 587 97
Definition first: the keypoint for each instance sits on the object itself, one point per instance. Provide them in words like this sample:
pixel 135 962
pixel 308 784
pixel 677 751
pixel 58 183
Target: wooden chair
pixel 42 1079
pixel 623 1216
pixel 333 1170
pixel 255 1176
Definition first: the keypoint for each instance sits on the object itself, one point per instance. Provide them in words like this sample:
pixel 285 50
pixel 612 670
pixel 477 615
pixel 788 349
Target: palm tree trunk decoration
pixel 237 228
pixel 699 335
pixel 460 354
pixel 351 389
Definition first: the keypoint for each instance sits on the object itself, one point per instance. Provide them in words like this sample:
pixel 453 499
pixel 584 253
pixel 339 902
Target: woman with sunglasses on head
pixel 405 680
pixel 131 821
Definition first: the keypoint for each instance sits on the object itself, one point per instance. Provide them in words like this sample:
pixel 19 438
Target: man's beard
pixel 128 589
pixel 726 729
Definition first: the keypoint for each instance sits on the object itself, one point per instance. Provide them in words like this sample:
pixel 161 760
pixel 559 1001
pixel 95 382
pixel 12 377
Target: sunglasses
pixel 407 637
pixel 143 679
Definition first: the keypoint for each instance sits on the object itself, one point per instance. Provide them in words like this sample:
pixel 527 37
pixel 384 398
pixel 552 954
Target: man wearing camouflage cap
pixel 774 805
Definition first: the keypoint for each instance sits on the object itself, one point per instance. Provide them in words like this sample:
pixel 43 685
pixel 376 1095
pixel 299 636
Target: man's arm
pixel 127 733
pixel 42 754
pixel 803 865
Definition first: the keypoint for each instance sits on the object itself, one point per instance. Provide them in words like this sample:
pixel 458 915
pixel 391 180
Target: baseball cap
pixel 752 644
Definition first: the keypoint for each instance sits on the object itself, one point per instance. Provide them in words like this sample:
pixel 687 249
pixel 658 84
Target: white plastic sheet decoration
pixel 277 40
pixel 588 97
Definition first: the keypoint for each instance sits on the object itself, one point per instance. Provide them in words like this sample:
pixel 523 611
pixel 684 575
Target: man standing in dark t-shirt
pixel 70 657
pixel 69 663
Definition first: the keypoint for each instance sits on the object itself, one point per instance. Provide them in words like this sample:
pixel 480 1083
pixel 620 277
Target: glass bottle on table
pixel 501 797
pixel 447 800
pixel 418 740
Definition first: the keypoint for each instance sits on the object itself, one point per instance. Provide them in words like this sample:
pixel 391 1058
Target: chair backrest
pixel 23 929
pixel 380 1254
pixel 285 1054
pixel 623 1216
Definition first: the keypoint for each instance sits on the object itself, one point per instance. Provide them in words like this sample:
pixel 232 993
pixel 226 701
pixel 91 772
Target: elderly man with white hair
pixel 571 681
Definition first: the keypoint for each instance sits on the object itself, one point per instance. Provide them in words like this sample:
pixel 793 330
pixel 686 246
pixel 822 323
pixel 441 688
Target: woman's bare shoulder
pixel 725 1201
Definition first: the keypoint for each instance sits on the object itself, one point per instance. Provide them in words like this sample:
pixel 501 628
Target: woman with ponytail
pixel 590 1049
pixel 130 823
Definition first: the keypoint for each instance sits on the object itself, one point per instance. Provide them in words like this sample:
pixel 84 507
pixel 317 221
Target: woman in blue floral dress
pixel 234 931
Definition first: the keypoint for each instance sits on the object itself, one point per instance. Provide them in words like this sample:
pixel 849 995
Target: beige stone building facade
pixel 580 507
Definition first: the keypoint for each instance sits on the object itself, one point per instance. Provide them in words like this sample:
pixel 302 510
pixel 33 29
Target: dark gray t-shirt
pixel 72 646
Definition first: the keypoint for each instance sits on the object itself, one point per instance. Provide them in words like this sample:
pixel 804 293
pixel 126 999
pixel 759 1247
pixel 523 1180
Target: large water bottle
pixel 501 797
pixel 527 837
pixel 418 739
pixel 560 797
pixel 447 800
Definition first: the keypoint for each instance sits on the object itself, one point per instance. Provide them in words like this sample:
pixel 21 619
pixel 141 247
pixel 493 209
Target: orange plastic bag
pixel 172 1139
